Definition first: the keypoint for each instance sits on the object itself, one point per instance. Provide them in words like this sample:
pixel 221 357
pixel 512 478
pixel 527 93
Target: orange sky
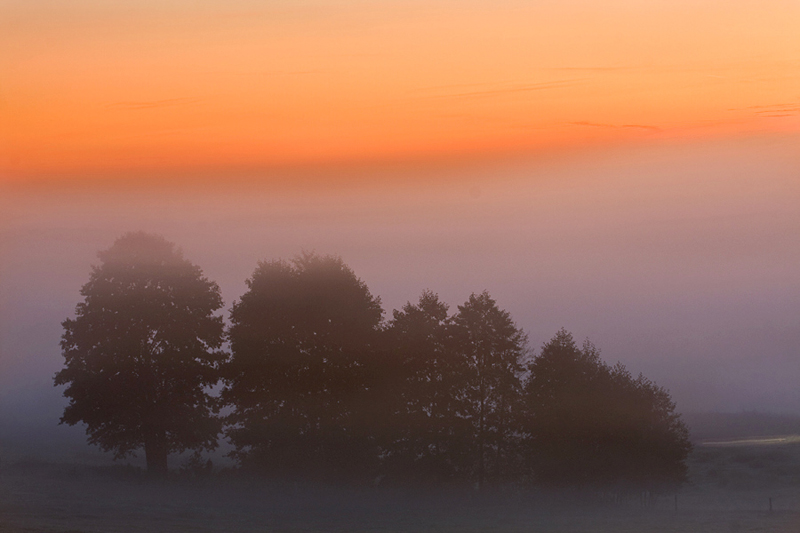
pixel 93 87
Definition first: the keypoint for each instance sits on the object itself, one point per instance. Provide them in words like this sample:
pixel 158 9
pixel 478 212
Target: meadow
pixel 732 483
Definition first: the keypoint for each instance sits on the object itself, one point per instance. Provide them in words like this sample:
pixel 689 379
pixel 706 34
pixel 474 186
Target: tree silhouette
pixel 424 403
pixel 303 376
pixel 590 424
pixel 491 348
pixel 141 352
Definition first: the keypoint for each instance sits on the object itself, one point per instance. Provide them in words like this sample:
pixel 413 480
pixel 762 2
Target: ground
pixel 730 489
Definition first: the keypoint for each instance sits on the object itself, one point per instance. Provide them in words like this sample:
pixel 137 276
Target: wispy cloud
pixel 591 69
pixel 615 126
pixel 641 127
pixel 498 89
pixel 153 104
pixel 773 110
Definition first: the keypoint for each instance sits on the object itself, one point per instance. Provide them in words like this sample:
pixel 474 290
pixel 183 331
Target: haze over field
pixel 679 262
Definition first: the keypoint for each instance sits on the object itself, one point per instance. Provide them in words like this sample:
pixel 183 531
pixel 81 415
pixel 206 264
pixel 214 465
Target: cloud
pixel 641 126
pixel 773 110
pixel 154 104
pixel 592 69
pixel 503 89
pixel 615 126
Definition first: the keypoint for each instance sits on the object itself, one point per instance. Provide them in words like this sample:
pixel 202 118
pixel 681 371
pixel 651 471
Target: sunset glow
pixel 95 87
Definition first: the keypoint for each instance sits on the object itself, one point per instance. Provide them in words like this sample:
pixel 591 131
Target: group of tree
pixel 316 385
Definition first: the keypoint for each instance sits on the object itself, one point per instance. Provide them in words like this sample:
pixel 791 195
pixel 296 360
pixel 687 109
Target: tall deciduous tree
pixel 590 424
pixel 142 350
pixel 303 378
pixel 425 403
pixel 492 349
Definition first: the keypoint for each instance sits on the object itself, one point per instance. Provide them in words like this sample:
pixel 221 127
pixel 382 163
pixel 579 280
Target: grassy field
pixel 731 484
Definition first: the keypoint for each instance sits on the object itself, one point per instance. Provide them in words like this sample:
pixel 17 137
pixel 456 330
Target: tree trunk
pixel 155 451
pixel 501 430
pixel 481 437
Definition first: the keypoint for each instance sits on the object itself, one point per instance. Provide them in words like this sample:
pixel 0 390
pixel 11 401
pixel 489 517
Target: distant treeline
pixel 316 385
pixel 729 426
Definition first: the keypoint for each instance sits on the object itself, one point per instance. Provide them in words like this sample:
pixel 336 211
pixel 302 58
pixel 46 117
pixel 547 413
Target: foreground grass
pixel 730 490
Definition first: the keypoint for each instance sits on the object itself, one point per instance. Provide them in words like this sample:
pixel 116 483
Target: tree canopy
pixel 425 442
pixel 302 377
pixel 318 387
pixel 142 350
pixel 492 349
pixel 589 424
pixel 457 390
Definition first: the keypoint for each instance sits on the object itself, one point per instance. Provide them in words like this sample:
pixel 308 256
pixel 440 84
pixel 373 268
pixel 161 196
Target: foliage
pixel 425 440
pixel 142 350
pixel 303 376
pixel 590 424
pixel 457 390
pixel 317 387
pixel 491 348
